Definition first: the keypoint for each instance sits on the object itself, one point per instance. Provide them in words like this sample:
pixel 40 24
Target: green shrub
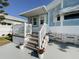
pixel 9 37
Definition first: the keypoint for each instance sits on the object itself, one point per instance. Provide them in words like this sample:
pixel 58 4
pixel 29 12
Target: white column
pixel 45 18
pixel 39 20
pixel 48 18
pixel 25 29
pixel 22 46
pixel 61 19
pixel 61 4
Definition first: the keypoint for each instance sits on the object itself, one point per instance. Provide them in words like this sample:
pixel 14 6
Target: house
pixel 7 24
pixel 58 21
pixel 61 17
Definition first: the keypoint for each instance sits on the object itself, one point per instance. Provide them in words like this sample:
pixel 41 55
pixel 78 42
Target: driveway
pixel 10 51
pixel 54 50
pixel 58 50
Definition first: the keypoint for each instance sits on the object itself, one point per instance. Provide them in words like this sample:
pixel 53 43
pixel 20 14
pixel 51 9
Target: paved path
pixel 10 51
pixel 54 51
pixel 62 51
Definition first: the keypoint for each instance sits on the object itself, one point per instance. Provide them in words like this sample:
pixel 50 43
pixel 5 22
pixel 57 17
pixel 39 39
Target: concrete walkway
pixel 54 51
pixel 10 51
pixel 57 50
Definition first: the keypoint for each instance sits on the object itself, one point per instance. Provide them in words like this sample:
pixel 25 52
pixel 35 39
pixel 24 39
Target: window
pixel 41 19
pixel 71 16
pixel 3 23
pixel 8 23
pixel 58 18
pixel 34 21
pixel 30 20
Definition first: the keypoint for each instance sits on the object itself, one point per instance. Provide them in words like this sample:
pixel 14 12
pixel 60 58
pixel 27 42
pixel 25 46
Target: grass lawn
pixel 4 41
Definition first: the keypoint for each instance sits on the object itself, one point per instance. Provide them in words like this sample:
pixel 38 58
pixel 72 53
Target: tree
pixel 3 3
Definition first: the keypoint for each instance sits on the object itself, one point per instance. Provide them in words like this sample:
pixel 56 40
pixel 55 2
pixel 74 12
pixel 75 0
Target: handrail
pixel 42 34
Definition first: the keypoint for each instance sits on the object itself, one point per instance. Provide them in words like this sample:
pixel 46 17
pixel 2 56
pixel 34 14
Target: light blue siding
pixel 69 3
pixel 47 18
pixel 51 23
pixel 71 22
pixel 58 23
pixel 53 13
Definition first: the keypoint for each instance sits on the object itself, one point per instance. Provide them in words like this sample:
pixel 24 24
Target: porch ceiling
pixel 35 11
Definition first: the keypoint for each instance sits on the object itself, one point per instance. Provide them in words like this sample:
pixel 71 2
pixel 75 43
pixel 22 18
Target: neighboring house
pixel 7 24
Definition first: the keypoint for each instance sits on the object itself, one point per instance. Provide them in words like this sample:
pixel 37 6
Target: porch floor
pixel 57 50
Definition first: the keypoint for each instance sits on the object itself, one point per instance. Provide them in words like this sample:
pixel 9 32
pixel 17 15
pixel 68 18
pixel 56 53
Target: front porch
pixel 37 17
pixel 37 22
pixel 33 33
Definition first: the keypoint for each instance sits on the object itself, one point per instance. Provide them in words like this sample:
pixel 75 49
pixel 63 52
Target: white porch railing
pixel 43 40
pixel 42 35
pixel 27 31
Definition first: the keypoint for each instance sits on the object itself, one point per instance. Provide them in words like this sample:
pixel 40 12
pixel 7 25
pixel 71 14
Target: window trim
pixel 33 21
pixel 68 14
pixel 42 19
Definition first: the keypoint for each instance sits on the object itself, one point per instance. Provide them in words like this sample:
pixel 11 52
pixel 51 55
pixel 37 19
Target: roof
pixel 35 11
pixel 69 9
pixel 53 4
pixel 9 17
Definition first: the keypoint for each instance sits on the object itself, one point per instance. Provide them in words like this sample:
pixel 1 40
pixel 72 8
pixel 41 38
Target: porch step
pixel 31 47
pixel 34 34
pixel 33 42
pixel 34 39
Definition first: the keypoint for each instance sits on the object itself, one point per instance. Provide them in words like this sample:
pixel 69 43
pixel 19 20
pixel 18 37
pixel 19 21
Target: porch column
pixel 22 46
pixel 61 4
pixel 48 18
pixel 45 18
pixel 61 15
pixel 38 20
pixel 61 19
pixel 25 30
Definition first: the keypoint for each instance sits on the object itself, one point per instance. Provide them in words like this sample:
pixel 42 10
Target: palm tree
pixel 3 3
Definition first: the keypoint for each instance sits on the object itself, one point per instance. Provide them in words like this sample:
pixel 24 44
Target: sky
pixel 18 6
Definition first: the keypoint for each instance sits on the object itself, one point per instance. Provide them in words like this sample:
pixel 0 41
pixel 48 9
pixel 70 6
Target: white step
pixel 34 39
pixel 30 46
pixel 33 42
